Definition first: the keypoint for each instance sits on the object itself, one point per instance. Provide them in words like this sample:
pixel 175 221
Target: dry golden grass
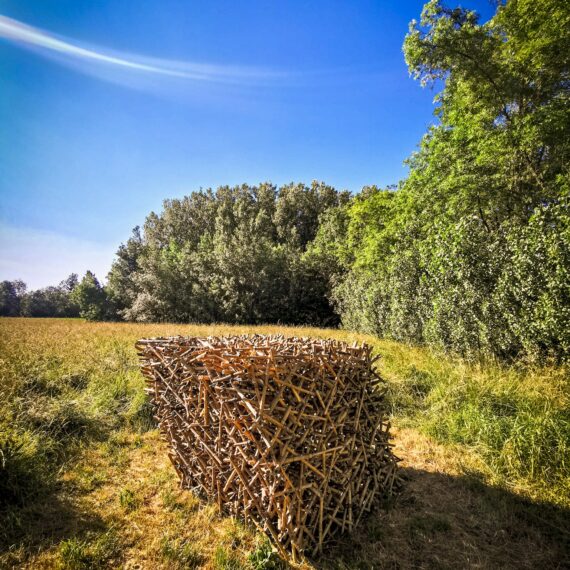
pixel 107 497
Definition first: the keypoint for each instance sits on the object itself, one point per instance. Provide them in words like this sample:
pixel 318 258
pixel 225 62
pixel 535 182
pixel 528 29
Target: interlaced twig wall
pixel 286 432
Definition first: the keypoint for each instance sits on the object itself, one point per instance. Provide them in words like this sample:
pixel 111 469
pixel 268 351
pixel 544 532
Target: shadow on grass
pixel 43 522
pixel 442 521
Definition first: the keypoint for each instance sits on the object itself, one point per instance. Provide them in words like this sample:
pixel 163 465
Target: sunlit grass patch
pixel 516 421
pixel 90 484
pixel 181 553
pixel 129 499
pixel 226 559
pixel 94 551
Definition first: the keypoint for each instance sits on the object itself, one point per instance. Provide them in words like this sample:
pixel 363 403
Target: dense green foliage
pixel 56 301
pixel 235 255
pixel 71 298
pixel 472 252
pixel 11 294
pixel 92 300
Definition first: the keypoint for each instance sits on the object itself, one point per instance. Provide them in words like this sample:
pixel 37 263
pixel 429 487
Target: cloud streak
pixel 74 52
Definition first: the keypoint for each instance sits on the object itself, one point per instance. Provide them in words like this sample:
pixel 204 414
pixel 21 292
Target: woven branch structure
pixel 288 433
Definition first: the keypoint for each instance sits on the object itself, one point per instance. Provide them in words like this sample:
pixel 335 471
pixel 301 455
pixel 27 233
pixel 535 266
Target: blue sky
pixel 107 108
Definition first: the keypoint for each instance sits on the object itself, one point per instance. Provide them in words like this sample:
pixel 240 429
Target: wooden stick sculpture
pixel 286 432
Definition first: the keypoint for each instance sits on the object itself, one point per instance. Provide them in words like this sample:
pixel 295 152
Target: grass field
pixel 85 481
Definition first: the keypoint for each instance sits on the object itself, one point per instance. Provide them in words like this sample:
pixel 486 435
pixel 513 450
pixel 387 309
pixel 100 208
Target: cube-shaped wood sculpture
pixel 288 433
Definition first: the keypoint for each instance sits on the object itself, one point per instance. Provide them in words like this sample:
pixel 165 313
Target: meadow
pixel 85 481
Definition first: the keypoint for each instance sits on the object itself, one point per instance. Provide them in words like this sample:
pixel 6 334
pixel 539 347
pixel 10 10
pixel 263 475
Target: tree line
pixel 469 253
pixel 236 254
pixel 71 298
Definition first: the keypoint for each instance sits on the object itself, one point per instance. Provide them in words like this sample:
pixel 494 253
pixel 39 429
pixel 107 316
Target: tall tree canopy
pixel 91 299
pixel 234 255
pixel 472 252
pixel 11 293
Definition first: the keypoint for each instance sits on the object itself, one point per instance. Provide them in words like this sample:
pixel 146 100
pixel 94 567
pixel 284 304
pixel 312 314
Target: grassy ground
pixel 85 482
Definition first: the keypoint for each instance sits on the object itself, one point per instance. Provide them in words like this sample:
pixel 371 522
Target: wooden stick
pixel 288 433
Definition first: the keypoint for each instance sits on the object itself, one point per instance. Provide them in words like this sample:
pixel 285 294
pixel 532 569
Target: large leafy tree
pixel 502 142
pixel 92 300
pixel 11 293
pixel 235 254
pixel 471 253
pixel 120 283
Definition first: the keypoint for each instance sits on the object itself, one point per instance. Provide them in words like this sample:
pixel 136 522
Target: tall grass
pixel 67 386
pixel 64 381
pixel 60 388
pixel 515 420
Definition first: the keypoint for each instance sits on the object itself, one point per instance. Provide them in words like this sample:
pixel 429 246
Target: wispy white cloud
pixel 42 258
pixel 93 58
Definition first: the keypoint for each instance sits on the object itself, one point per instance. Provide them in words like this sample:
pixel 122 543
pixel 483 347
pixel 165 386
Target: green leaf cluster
pixel 236 254
pixel 471 252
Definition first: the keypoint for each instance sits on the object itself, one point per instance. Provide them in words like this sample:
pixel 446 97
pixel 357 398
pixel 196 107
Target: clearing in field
pixel 86 482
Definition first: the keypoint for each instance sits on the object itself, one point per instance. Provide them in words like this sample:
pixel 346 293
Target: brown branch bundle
pixel 286 432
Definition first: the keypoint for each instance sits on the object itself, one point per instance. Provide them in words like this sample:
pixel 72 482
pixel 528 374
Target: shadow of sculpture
pixel 443 521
